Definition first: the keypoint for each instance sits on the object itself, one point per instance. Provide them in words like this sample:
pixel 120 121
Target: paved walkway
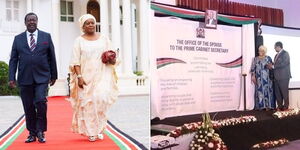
pixel 11 110
pixel 129 114
pixel 132 116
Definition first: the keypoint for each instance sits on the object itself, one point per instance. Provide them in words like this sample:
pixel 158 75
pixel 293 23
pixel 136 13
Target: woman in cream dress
pixel 93 84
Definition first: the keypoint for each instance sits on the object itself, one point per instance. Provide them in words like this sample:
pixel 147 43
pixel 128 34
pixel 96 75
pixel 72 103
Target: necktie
pixel 276 56
pixel 32 42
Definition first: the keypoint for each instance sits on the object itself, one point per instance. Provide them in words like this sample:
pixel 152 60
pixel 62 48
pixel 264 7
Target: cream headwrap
pixel 84 18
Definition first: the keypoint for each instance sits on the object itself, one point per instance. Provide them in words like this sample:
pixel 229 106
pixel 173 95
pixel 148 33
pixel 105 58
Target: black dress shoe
pixel 30 138
pixel 41 137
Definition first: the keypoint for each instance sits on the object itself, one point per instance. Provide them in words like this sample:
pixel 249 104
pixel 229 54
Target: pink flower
pixel 210 145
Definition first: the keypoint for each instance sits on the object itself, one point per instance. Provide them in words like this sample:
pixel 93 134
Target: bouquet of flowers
pixel 109 57
pixel 206 138
pixel 269 144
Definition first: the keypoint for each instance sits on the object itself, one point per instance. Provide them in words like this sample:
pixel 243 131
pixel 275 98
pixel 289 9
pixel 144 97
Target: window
pixel 66 11
pixel 12 10
pixel 135 18
pixel 12 19
pixel 121 15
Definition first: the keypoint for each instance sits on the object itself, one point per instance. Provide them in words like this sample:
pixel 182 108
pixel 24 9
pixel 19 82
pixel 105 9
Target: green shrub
pixel 4 88
pixel 138 73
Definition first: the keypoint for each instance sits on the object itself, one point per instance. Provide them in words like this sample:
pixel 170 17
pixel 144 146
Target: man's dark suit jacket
pixel 282 66
pixel 34 67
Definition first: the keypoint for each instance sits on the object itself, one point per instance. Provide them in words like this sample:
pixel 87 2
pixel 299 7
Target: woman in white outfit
pixel 93 84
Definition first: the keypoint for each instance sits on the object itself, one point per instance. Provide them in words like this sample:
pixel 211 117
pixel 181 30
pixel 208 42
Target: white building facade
pixel 125 22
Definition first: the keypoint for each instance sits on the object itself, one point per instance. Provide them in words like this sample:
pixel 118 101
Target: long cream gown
pixel 91 103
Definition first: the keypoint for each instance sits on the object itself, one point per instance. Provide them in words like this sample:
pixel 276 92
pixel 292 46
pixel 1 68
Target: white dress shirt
pixel 35 36
pixel 278 53
pixel 275 59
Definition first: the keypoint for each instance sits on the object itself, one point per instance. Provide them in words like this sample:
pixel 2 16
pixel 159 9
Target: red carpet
pixel 59 135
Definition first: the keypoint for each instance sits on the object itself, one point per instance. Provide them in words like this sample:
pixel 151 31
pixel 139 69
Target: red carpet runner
pixel 59 135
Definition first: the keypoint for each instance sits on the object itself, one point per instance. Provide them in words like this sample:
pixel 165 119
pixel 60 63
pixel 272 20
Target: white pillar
pixel 115 25
pixel 55 34
pixel 29 6
pixel 60 87
pixel 143 33
pixel 104 17
pixel 127 39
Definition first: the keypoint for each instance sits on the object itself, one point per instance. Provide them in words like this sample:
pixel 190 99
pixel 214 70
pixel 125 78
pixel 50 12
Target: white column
pixel 104 17
pixel 144 33
pixel 36 7
pixel 127 39
pixel 115 25
pixel 60 87
pixel 55 34
pixel 29 6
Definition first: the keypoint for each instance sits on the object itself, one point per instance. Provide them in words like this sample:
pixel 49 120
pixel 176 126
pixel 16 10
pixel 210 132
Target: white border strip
pixel 124 137
pixel 125 145
pixel 1 146
pixel 13 128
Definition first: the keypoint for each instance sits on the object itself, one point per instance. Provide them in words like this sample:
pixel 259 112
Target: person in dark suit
pixel 33 56
pixel 211 19
pixel 282 75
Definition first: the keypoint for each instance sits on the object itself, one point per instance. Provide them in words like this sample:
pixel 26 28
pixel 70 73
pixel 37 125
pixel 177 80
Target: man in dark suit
pixel 282 75
pixel 33 56
pixel 211 19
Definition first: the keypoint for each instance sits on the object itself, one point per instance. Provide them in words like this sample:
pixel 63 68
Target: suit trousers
pixel 281 88
pixel 35 107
